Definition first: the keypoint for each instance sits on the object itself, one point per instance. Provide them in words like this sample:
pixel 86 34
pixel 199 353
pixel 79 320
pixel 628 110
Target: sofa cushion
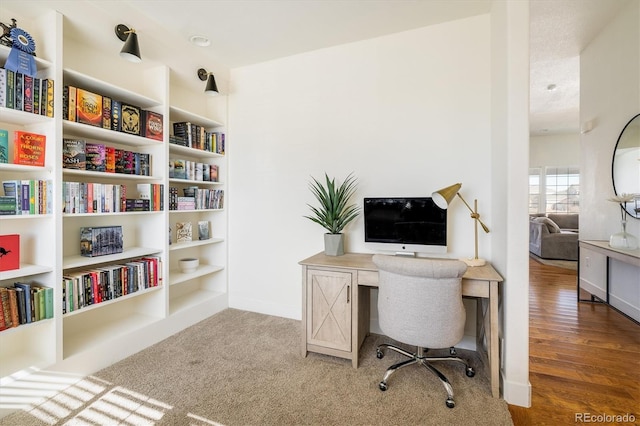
pixel 551 225
pixel 565 220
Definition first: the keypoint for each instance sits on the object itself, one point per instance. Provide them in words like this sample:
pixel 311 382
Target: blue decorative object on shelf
pixel 21 58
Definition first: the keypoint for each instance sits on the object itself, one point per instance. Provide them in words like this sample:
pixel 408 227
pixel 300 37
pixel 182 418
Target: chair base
pixel 425 361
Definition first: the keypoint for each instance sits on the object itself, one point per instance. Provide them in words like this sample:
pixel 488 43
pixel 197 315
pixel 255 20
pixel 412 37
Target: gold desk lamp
pixel 443 197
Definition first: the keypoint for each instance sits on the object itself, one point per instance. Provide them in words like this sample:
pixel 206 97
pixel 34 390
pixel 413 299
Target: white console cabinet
pixel 611 276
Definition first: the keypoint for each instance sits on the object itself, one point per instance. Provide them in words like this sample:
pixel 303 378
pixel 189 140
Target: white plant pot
pixel 334 244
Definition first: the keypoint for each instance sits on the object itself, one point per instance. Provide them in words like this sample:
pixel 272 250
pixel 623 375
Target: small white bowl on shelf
pixel 189 264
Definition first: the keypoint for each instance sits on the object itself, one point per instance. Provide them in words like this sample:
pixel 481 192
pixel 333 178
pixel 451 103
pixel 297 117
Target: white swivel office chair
pixel 420 304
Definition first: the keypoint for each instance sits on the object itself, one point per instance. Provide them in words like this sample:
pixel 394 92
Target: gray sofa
pixel 554 236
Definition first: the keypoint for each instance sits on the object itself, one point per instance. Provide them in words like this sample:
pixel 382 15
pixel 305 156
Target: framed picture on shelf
pixel 184 232
pixel 204 230
pixel 9 252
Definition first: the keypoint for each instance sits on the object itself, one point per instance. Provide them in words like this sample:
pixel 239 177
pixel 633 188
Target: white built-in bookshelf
pixel 90 338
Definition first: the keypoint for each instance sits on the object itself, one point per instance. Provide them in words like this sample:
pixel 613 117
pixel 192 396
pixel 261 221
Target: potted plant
pixel 334 212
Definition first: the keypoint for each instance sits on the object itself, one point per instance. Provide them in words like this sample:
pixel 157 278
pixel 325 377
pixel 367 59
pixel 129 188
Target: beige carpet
pixel 242 368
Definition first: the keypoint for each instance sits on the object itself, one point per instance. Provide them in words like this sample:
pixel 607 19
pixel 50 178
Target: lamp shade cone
pixel 211 87
pixel 131 50
pixel 443 196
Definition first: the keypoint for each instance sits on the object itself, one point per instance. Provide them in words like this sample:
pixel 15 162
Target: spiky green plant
pixel 334 213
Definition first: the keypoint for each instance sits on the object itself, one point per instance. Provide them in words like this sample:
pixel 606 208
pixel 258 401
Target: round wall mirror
pixel 625 168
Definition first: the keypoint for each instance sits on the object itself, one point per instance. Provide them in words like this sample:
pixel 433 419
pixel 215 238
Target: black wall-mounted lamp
pixel 131 50
pixel 211 88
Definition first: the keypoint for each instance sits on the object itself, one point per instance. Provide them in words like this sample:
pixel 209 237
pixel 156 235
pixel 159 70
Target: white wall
pixel 554 150
pixel 610 96
pixel 407 113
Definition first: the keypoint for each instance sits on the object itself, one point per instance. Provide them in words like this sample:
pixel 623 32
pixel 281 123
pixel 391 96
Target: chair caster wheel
pixel 450 403
pixel 383 386
pixel 453 352
pixel 379 354
pixel 470 372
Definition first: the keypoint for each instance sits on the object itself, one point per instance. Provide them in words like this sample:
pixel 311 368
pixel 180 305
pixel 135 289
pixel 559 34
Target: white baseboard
pixel 516 393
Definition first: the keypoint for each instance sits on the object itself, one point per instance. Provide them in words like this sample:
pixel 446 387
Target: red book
pixel 9 252
pixel 29 148
pixel 153 126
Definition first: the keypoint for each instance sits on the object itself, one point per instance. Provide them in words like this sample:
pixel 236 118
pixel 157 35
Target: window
pixel 534 190
pixel 557 191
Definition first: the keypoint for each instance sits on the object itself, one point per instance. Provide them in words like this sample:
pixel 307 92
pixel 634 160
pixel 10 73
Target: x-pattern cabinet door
pixel 329 302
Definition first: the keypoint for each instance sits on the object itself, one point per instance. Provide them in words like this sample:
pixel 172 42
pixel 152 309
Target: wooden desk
pixel 336 307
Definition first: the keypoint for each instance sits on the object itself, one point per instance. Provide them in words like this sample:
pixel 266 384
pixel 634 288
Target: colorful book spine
pixel 11 87
pixel 27 93
pixel 4 146
pixel 50 99
pixel 3 87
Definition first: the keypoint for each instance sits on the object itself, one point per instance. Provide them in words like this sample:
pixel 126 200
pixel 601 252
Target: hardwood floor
pixel 583 357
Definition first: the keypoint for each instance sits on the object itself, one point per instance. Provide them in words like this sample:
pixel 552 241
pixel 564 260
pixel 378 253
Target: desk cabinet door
pixel 329 301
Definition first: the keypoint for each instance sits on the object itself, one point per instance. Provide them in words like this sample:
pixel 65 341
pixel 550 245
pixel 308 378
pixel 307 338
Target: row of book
pixel 202 199
pixel 195 136
pixel 86 288
pixel 26 93
pixel 26 197
pixel 81 155
pixel 102 111
pixel 89 197
pixel 192 170
pixel 24 303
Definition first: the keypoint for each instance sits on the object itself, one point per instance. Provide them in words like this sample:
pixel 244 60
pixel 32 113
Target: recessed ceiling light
pixel 551 87
pixel 200 40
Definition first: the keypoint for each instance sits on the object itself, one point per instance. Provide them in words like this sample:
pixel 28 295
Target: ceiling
pixel 244 32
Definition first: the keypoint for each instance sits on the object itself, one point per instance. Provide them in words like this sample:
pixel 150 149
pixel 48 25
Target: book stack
pixel 26 93
pixel 94 109
pixel 25 303
pixel 100 240
pixel 90 287
pixel 26 197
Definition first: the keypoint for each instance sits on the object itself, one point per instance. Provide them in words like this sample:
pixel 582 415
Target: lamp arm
pixel 474 214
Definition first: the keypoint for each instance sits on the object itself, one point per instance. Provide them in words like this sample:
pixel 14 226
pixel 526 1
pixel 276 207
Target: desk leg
pixel 491 327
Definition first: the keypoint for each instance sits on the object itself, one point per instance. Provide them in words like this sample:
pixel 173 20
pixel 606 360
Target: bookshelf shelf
pixel 101 333
pixel 77 261
pixel 23 118
pixel 177 277
pixel 192 300
pixel 107 303
pixel 40 63
pixel 194 182
pixel 196 243
pixel 25 270
pixel 105 175
pixel 79 215
pixel 80 130
pixel 26 216
pixel 195 211
pixel 193 152
pixel 87 82
pixel 181 114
